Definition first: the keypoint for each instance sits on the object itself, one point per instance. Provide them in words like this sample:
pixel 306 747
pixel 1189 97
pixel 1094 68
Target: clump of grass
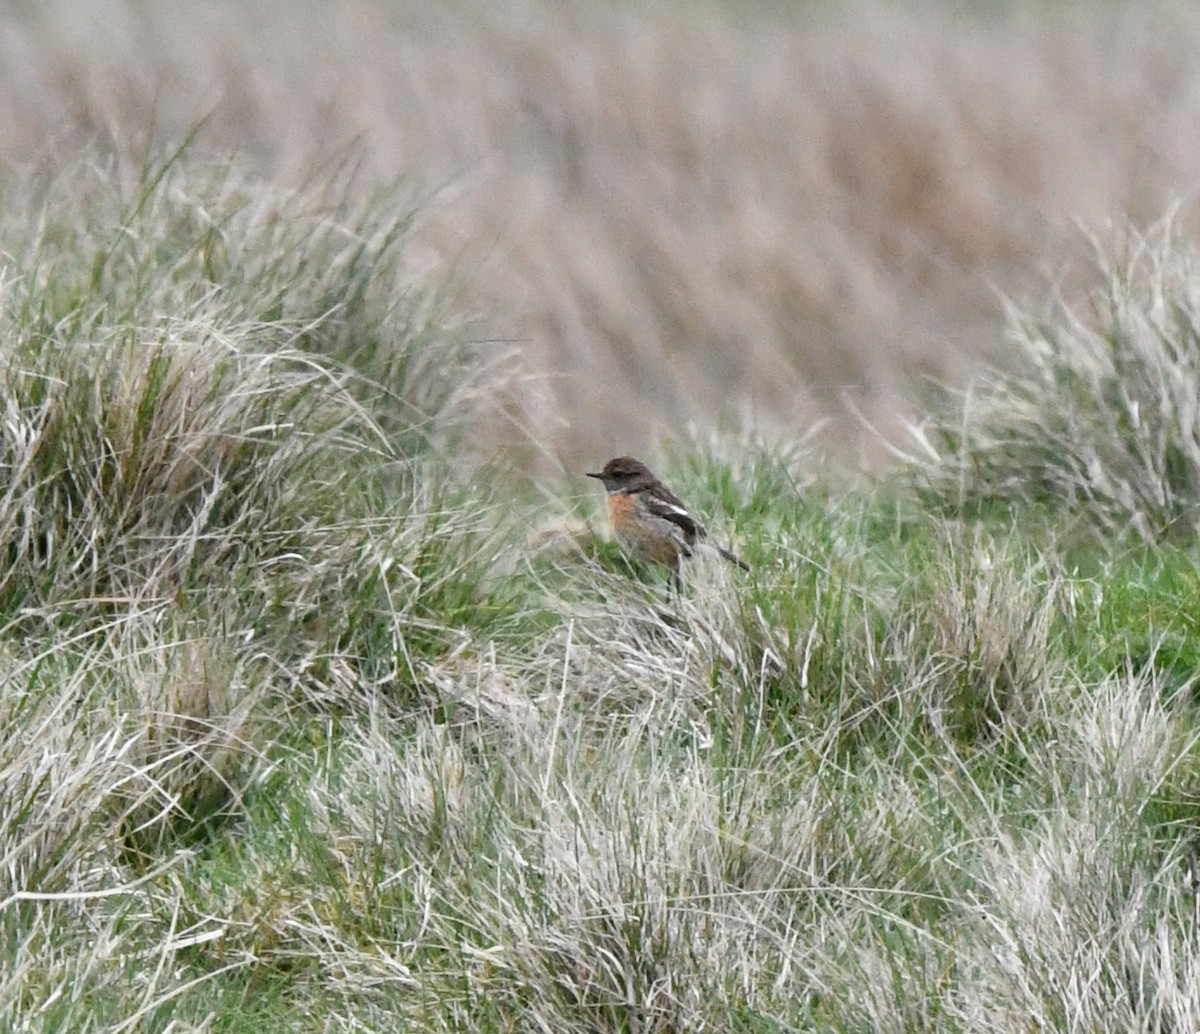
pixel 159 743
pixel 220 523
pixel 971 643
pixel 132 249
pixel 903 628
pixel 1098 421
pixel 1088 882
pixel 136 469
pixel 225 394
pixel 196 704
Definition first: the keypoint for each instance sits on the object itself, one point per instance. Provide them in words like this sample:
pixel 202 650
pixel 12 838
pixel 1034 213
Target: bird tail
pixel 732 558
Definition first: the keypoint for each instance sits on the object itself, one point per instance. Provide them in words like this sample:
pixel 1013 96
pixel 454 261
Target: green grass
pixel 310 725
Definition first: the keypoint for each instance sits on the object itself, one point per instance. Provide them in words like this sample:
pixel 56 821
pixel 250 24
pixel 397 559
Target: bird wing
pixel 671 509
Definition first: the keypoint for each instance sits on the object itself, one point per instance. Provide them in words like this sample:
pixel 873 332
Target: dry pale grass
pixel 978 637
pixel 685 214
pixel 1101 421
pixel 587 855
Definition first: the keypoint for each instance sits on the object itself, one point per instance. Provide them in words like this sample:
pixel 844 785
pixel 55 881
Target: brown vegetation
pixel 679 215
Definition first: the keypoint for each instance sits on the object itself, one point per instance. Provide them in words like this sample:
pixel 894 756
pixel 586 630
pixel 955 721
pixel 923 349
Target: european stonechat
pixel 650 520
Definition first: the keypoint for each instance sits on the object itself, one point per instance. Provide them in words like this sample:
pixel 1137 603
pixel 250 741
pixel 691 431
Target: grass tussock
pixel 979 637
pixel 1100 419
pixel 176 423
pixel 222 524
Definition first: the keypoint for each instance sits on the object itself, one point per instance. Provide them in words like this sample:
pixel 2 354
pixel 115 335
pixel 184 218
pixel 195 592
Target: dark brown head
pixel 625 474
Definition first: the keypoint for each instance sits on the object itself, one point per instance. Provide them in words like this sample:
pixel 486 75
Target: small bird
pixel 650 520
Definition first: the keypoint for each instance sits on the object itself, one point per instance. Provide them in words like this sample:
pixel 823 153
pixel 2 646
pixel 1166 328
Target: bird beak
pixel 591 475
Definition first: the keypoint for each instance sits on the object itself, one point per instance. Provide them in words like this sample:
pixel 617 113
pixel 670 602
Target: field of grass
pixel 321 712
pixel 309 728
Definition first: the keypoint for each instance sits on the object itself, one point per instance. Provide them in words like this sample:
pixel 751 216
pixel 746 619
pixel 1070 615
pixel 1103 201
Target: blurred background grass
pixel 678 216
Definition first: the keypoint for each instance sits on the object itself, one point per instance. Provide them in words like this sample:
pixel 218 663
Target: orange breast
pixel 651 537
